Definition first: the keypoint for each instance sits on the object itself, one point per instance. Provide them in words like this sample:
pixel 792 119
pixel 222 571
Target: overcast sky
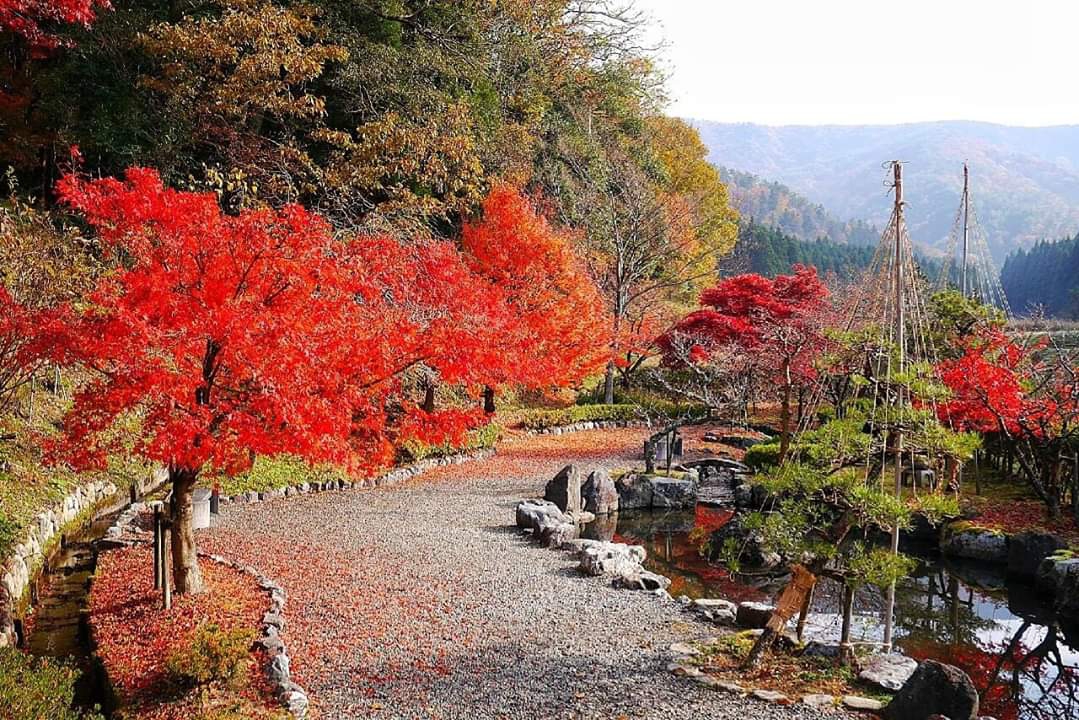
pixel 782 62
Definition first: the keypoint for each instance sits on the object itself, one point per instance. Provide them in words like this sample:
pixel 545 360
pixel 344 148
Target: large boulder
pixel 634 491
pixel 611 559
pixel 673 493
pixel 975 543
pixel 564 489
pixel 1059 575
pixel 889 671
pixel 599 493
pixel 1027 550
pixel 934 689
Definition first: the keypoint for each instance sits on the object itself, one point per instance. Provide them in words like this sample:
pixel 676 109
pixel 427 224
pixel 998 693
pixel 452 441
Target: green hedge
pixel 273 473
pixel 543 419
pixel 484 437
pixel 33 687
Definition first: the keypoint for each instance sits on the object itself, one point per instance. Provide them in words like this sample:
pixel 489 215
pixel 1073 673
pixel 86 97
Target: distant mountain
pixel 774 205
pixel 1025 181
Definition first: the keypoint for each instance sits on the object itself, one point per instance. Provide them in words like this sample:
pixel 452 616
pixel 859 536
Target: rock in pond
pixel 934 689
pixel 564 489
pixel 634 491
pixel 1059 574
pixel 599 493
pixel 889 671
pixel 976 543
pixel 1027 550
pixel 673 493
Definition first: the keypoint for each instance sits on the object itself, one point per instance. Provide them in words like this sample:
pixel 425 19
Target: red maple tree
pixel 30 19
pixel 553 330
pixel 1028 396
pixel 220 337
pixel 776 322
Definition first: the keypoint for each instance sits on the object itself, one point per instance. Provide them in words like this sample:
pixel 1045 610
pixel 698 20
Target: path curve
pixel 422 601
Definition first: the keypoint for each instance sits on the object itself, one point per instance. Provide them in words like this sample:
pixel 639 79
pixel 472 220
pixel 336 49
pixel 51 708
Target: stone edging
pixel 588 425
pixel 19 569
pixel 125 532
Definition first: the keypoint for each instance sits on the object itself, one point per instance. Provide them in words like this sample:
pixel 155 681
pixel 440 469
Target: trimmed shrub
pixel 762 456
pixel 213 657
pixel 33 687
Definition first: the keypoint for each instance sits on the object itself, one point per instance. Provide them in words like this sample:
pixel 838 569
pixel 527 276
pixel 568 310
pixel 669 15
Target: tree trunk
pixel 785 413
pixel 429 398
pixel 489 400
pixel 185 562
pixel 608 384
pixel 846 650
pixel 792 599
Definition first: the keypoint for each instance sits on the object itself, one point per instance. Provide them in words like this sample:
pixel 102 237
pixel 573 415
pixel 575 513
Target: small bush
pixel 763 456
pixel 214 657
pixel 38 688
pixel 484 437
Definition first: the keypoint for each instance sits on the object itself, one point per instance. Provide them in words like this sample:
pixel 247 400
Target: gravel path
pixel 422 600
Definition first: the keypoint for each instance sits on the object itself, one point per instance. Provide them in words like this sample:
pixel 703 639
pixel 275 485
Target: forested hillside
pixel 1025 181
pixel 769 251
pixel 775 205
pixel 1044 277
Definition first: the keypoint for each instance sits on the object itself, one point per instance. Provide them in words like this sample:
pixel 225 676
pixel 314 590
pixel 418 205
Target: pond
pixel 1023 659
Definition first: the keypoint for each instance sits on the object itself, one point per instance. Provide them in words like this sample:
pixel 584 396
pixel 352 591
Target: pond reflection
pixel 1022 658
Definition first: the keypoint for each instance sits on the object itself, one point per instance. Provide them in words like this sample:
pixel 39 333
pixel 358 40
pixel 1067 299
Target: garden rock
pixel 1027 550
pixel 888 671
pixel 634 491
pixel 713 604
pixel 934 689
pixel 599 493
pixel 753 615
pixel 531 513
pixel 977 544
pixel 1060 575
pixel 642 580
pixel 857 702
pixel 564 490
pixel 554 533
pixel 611 559
pixel 279 672
pixel 673 493
pixel 772 696
pixel 819 701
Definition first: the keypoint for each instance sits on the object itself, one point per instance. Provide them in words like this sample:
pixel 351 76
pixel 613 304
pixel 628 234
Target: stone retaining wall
pixel 590 425
pixel 28 557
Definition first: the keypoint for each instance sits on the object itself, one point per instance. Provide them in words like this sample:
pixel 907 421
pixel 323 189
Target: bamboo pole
pixel 900 335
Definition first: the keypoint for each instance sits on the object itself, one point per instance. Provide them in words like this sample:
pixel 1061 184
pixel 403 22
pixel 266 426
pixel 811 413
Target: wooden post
pixel 649 456
pixel 157 546
pixel 166 589
pixel 901 343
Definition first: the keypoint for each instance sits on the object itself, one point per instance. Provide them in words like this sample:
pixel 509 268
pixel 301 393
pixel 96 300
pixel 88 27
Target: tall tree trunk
pixel 489 400
pixel 185 562
pixel 608 384
pixel 429 398
pixel 785 413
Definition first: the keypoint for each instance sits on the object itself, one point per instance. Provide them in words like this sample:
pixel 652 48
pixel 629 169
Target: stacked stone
pixel 26 559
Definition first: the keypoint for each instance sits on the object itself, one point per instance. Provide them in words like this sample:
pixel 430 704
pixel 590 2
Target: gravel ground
pixel 422 600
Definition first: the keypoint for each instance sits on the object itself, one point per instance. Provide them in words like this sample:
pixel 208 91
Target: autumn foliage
pixel 554 329
pixel 777 323
pixel 220 337
pixel 30 19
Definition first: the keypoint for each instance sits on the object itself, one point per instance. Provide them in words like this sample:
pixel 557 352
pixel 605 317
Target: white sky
pixel 871 61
